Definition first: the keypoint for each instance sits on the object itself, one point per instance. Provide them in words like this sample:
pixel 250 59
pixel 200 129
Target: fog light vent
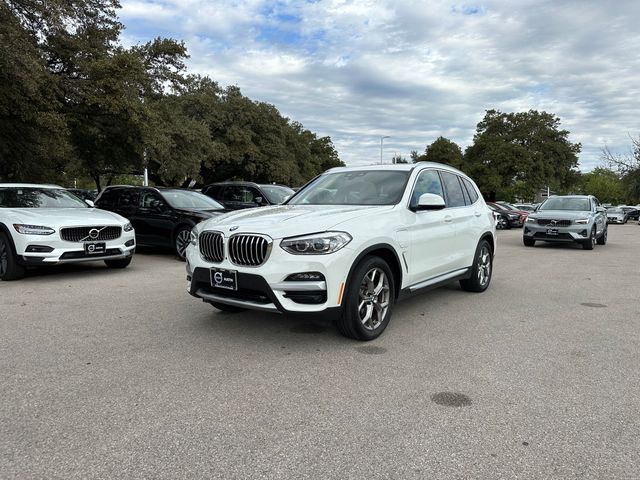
pixel 39 249
pixel 305 277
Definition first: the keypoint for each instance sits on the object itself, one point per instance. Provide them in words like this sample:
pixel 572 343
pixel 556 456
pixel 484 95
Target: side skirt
pixel 435 282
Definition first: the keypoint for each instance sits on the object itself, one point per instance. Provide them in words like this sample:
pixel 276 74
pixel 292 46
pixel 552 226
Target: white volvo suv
pixel 348 245
pixel 45 224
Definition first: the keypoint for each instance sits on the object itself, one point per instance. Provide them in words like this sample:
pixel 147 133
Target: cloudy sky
pixel 414 70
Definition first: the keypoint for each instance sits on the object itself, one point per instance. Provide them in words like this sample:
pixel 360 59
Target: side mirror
pixel 258 200
pixel 430 201
pixel 90 203
pixel 157 205
pixel 601 209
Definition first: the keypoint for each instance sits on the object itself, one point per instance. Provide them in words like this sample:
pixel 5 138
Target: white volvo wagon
pixel 45 225
pixel 347 246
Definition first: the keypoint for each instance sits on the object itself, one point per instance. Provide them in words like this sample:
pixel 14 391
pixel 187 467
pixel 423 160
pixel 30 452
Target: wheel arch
pixel 4 229
pixel 389 255
pixel 489 238
pixel 182 223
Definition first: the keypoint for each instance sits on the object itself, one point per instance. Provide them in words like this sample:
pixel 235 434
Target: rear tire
pixel 529 242
pixel 602 240
pixel 368 301
pixel 227 308
pixel 119 263
pixel 10 269
pixel 481 270
pixel 591 241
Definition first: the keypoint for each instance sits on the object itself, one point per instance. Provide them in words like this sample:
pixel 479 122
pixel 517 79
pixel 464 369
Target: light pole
pixel 381 140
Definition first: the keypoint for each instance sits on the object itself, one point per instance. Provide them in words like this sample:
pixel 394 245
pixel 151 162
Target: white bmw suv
pixel 45 224
pixel 347 246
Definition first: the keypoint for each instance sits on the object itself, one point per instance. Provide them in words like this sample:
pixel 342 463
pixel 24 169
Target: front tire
pixel 10 269
pixel 181 241
pixel 119 263
pixel 481 271
pixel 529 242
pixel 368 301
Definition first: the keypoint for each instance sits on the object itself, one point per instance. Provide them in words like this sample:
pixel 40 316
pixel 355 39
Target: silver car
pixel 616 215
pixel 570 218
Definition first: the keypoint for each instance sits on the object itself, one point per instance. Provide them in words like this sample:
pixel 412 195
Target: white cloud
pixel 414 70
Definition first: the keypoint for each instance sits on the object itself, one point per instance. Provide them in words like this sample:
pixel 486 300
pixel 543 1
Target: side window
pixel 108 198
pixel 428 181
pixel 213 191
pixel 455 197
pixel 148 199
pixel 465 194
pixel 234 193
pixel 473 194
pixel 253 193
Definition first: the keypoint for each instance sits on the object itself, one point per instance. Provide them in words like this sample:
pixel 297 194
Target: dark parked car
pixel 237 195
pixel 83 194
pixel 160 216
pixel 631 213
pixel 506 218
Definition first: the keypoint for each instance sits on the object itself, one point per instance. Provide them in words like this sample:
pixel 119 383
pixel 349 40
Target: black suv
pixel 237 195
pixel 160 216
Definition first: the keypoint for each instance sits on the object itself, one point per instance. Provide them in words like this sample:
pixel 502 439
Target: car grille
pixel 212 246
pixel 249 250
pixel 81 234
pixel 558 223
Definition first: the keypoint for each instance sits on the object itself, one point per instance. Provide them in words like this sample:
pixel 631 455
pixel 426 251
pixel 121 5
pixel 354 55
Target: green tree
pixel 519 153
pixel 399 159
pixel 605 184
pixel 34 140
pixel 443 150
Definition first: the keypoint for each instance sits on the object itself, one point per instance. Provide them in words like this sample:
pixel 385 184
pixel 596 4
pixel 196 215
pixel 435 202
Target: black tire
pixel 181 240
pixel 591 241
pixel 10 269
pixel 602 239
pixel 481 270
pixel 227 308
pixel 529 242
pixel 361 301
pixel 119 263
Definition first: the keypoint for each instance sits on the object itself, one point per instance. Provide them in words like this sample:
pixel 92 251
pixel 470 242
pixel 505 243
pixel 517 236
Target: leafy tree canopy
pixel 525 149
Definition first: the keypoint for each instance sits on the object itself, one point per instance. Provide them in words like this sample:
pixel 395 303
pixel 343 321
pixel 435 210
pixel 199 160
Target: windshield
pixel 33 197
pixel 615 210
pixel 276 193
pixel 186 199
pixel 382 187
pixel 507 206
pixel 567 203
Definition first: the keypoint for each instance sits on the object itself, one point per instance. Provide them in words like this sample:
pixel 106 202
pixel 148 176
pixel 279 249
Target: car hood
pixel 52 217
pixel 289 220
pixel 561 214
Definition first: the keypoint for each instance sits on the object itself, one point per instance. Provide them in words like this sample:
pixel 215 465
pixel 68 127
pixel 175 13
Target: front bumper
pixel 266 288
pixel 573 233
pixel 615 220
pixel 51 249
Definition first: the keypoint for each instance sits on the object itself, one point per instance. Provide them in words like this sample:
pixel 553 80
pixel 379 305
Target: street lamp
pixel 381 140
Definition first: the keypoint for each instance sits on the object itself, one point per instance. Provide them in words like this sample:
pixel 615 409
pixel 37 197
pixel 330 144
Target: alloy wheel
pixel 484 266
pixel 182 242
pixel 374 298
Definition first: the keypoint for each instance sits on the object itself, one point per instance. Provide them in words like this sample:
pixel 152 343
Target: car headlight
pixel 33 229
pixel 193 238
pixel 513 216
pixel 581 221
pixel 127 227
pixel 317 244
pixel 531 220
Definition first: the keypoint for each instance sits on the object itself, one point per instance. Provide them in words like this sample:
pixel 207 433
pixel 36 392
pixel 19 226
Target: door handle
pixel 448 219
pixel 477 214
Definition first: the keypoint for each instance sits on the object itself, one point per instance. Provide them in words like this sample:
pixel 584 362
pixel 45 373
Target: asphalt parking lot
pixel 121 374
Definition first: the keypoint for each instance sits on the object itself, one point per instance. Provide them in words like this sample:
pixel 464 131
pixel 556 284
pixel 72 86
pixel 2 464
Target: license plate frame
pixel 223 278
pixel 95 248
pixel 552 231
